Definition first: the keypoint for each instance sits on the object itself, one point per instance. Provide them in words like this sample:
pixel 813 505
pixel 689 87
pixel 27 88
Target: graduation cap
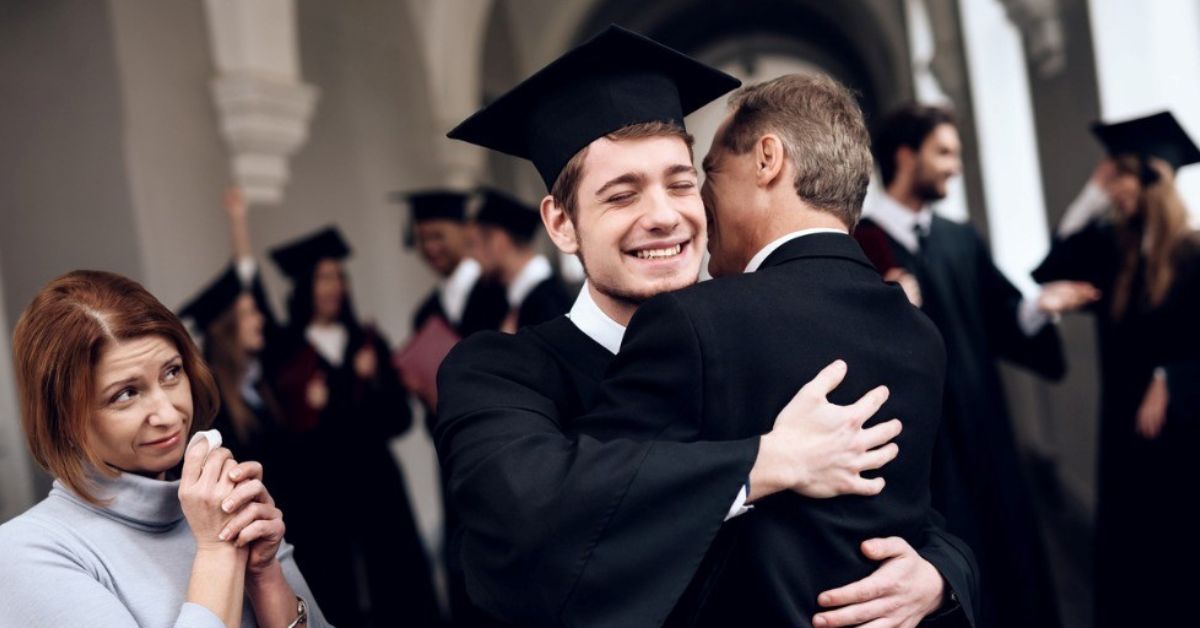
pixel 613 80
pixel 516 218
pixel 1158 135
pixel 214 300
pixel 432 205
pixel 297 258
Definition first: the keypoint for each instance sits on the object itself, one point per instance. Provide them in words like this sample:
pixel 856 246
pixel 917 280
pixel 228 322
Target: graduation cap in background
pixel 214 300
pixel 1158 135
pixel 613 80
pixel 432 205
pixel 296 259
pixel 516 218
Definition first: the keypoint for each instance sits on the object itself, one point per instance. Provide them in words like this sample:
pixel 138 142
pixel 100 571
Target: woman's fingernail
pixel 223 535
pixel 235 474
pixel 227 506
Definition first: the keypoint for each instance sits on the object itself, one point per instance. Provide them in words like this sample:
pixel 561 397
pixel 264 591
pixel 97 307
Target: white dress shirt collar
pixel 898 221
pixel 453 291
pixel 329 341
pixel 536 270
pixel 767 250
pixel 594 323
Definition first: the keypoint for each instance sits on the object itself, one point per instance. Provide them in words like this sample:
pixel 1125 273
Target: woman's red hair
pixel 56 345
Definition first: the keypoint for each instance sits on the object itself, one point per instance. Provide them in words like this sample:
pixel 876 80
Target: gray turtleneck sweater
pixel 65 562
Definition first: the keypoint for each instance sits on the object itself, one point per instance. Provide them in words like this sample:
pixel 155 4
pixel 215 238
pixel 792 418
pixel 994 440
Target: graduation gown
pixel 566 524
pixel 977 479
pixel 548 300
pixel 485 309
pixel 1143 544
pixel 351 512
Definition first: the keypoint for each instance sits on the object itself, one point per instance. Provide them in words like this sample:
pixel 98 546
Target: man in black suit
pixel 535 292
pixel 563 528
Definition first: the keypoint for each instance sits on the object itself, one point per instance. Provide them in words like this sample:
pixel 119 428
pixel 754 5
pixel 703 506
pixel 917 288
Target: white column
pixel 16 487
pixel 453 33
pixel 263 105
pixel 1008 152
pixel 1148 59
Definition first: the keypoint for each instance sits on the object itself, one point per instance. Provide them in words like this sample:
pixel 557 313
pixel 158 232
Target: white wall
pixel 1147 60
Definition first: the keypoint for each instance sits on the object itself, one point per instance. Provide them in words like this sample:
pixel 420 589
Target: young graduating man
pixel 507 228
pixel 976 480
pixel 603 526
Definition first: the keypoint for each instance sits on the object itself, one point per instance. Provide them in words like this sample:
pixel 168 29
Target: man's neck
pixel 513 266
pixel 905 196
pixel 790 220
pixel 453 267
pixel 617 309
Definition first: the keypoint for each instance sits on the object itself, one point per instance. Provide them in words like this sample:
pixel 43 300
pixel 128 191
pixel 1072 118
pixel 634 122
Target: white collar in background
pixel 453 291
pixel 767 250
pixel 594 323
pixel 329 341
pixel 898 220
pixel 536 270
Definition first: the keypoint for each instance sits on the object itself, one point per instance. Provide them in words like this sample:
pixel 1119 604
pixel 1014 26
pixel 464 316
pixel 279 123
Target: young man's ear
pixel 769 158
pixel 559 226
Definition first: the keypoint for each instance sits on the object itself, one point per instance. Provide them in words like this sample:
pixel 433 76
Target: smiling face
pixel 938 160
pixel 143 406
pixel 730 197
pixel 639 225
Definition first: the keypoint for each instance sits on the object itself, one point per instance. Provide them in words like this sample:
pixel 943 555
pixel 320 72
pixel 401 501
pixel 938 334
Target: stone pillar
pixel 263 105
pixel 453 36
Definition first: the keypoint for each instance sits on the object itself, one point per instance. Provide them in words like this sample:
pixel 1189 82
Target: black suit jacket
pixel 719 360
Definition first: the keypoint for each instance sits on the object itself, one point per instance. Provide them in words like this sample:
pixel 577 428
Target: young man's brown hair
pixel 565 190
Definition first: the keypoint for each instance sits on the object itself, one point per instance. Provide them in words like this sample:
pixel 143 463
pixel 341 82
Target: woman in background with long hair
pixel 1128 236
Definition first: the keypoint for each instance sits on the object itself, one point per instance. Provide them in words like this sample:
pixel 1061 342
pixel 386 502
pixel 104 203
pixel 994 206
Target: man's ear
pixel 769 159
pixel 559 226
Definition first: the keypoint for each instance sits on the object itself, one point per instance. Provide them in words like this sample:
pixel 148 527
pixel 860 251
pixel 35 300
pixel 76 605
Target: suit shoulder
pixel 493 349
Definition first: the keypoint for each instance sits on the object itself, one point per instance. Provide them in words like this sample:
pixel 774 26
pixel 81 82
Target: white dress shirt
pixel 597 325
pixel 329 341
pixel 535 271
pixel 901 222
pixel 453 291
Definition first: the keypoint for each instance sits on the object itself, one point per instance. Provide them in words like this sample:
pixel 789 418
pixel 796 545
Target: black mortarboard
pixel 214 300
pixel 297 258
pixel 501 210
pixel 432 205
pixel 613 80
pixel 1158 135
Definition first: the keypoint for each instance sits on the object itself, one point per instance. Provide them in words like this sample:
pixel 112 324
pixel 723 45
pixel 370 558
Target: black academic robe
pixel 351 517
pixel 1143 542
pixel 485 309
pixel 548 300
pixel 562 528
pixel 977 480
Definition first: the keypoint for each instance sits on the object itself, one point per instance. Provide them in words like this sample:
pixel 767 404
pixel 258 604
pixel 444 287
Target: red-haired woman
pixel 112 389
pixel 1128 235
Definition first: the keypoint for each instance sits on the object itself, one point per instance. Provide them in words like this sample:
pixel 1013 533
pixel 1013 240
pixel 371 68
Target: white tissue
pixel 213 437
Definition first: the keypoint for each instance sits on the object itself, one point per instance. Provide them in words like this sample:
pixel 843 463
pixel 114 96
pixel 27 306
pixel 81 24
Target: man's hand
pixel 907 282
pixel 1152 413
pixel 901 592
pixel 819 449
pixel 1060 297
